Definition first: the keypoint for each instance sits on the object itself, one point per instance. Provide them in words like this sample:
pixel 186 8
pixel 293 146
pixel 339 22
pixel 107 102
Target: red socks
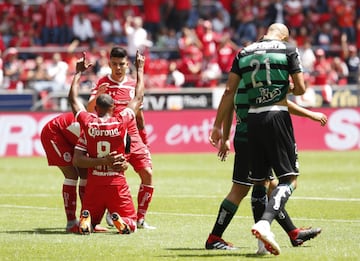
pixel 144 197
pixel 294 233
pixel 82 185
pixel 69 196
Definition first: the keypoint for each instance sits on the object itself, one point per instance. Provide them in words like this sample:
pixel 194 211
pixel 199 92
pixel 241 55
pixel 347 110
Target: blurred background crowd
pixel 187 43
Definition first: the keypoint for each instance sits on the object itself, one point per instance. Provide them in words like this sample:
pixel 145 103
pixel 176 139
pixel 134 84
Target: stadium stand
pixel 229 20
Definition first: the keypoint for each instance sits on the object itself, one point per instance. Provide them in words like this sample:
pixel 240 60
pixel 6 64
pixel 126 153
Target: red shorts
pixel 140 161
pixel 139 156
pixel 115 198
pixel 58 150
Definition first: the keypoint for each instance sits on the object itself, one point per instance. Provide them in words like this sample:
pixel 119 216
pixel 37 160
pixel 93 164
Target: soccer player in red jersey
pixel 122 88
pixel 59 137
pixel 101 149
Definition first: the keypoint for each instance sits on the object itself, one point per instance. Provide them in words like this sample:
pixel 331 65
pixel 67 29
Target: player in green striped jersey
pixel 265 68
pixel 241 184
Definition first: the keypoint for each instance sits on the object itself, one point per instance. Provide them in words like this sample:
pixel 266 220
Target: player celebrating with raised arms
pixel 102 149
pixel 121 88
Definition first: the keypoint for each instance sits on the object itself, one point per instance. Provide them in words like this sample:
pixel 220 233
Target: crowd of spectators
pixel 187 43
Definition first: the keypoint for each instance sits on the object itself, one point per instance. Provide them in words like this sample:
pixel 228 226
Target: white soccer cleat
pixel 108 219
pixel 141 224
pixel 261 230
pixel 261 248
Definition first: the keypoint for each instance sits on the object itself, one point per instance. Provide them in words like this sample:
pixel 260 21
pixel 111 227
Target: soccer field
pixel 188 191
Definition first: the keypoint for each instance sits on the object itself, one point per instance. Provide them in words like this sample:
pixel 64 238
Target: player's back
pixel 105 135
pixel 65 125
pixel 102 136
pixel 265 70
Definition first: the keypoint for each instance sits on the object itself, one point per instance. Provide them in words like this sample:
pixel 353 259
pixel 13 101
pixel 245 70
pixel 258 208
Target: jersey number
pixel 256 63
pixel 103 148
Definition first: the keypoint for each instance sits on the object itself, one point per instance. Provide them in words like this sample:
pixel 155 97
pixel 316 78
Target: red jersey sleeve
pixel 81 143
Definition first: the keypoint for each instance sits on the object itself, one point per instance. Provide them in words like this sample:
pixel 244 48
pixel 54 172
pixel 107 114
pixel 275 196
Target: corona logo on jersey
pixel 93 132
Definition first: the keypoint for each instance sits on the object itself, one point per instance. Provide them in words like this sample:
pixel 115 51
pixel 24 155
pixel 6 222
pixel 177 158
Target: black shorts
pixel 241 163
pixel 241 168
pixel 272 144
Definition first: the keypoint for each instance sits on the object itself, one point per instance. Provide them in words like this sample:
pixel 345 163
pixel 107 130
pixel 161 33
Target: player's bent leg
pixel 122 224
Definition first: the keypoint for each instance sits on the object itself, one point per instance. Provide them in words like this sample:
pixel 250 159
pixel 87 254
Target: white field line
pixel 198 196
pixel 192 215
pixel 189 214
pixel 250 217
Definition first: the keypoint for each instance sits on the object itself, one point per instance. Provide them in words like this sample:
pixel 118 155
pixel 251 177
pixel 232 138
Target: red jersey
pixel 66 124
pixel 100 137
pixel 122 92
pixel 59 137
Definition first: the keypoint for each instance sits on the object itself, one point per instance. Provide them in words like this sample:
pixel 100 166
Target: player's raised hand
pixel 81 64
pixel 139 60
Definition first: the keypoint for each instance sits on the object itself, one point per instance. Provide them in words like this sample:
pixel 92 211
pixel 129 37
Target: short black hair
pixel 118 52
pixel 104 101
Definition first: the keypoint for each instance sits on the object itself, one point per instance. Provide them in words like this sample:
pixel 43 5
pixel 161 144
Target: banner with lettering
pixel 186 131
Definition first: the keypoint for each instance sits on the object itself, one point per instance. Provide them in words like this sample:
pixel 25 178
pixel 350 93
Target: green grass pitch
pixel 189 190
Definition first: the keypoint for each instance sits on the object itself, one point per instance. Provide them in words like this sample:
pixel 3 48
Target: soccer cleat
pixel 215 242
pixel 121 226
pixel 109 219
pixel 85 223
pixel 141 224
pixel 305 234
pixel 261 249
pixel 261 230
pixel 72 227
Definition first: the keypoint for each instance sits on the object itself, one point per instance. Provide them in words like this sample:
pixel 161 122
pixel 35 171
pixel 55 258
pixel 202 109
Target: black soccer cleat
pixel 214 242
pixel 305 234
